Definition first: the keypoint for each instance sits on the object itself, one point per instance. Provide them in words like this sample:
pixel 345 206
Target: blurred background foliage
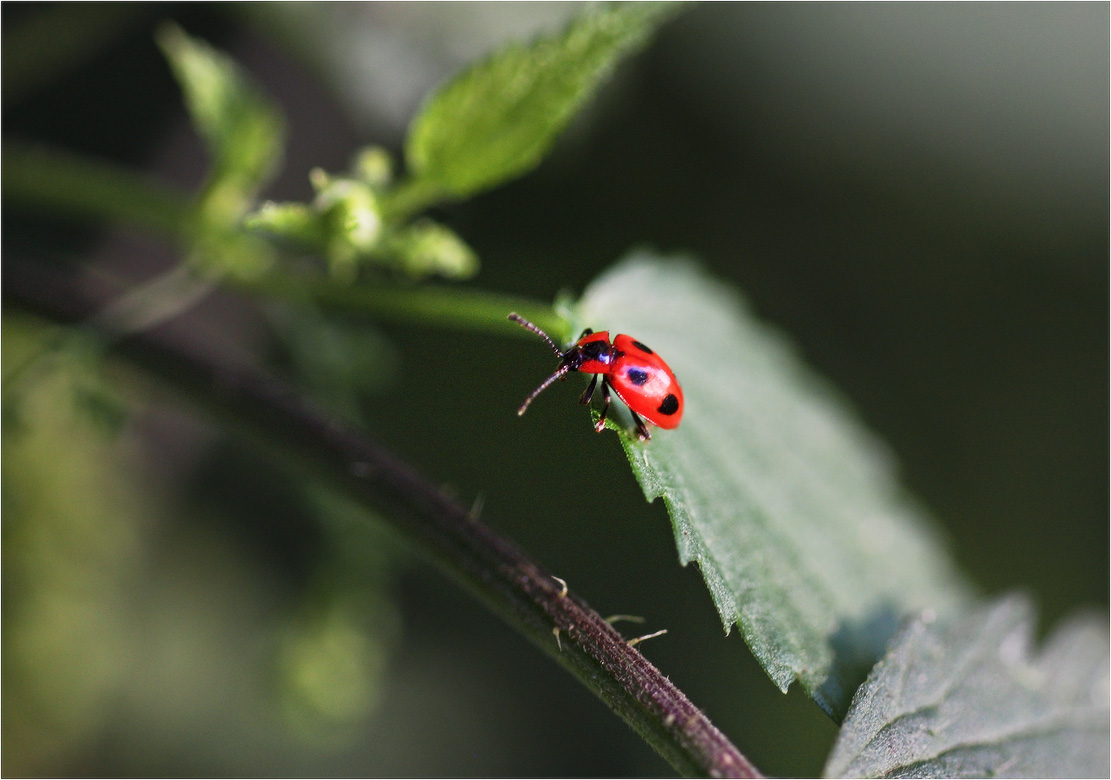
pixel 917 193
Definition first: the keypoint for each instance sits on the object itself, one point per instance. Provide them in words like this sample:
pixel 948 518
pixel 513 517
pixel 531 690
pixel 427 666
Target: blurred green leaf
pixel 788 505
pixel 242 129
pixel 426 247
pixel 103 408
pixel 73 540
pixel 244 133
pixel 966 699
pixel 292 221
pixel 497 119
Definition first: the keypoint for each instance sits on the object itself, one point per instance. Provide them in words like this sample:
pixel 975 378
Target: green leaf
pixel 242 129
pixel 497 119
pixel 293 221
pixel 244 133
pixel 965 698
pixel 427 247
pixel 788 505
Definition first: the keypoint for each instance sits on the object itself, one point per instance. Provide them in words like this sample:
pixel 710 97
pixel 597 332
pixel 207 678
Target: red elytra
pixel 638 375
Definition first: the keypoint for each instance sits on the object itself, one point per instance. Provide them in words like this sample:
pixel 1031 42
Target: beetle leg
pixel 584 399
pixel 598 426
pixel 642 429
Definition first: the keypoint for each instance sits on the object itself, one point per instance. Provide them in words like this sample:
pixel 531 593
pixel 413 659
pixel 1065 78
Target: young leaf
pixel 789 507
pixel 241 128
pixel 496 119
pixel 966 699
pixel 244 133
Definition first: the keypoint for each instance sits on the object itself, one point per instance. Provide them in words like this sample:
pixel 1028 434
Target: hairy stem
pixel 281 423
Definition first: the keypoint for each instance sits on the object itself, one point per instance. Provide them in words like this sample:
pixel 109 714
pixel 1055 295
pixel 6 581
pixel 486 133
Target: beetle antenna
pixel 562 372
pixel 515 317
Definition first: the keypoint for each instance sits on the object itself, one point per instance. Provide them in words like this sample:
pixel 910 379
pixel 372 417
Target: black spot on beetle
pixel 642 347
pixel 636 376
pixel 670 405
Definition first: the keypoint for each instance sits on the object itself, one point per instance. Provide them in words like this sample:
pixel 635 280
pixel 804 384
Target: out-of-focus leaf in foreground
pixel 498 118
pixel 790 508
pixel 965 698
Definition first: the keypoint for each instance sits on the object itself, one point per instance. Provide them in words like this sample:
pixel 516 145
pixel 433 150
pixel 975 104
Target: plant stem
pixel 410 196
pixel 277 420
pixel 76 185
pixel 456 307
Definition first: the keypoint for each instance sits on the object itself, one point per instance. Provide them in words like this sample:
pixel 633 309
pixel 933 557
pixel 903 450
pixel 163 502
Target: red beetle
pixel 637 374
